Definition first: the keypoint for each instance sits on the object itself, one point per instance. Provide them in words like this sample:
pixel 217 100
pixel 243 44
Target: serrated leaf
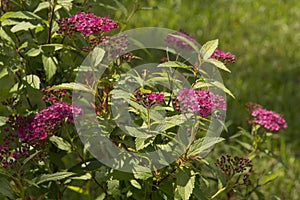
pixel 53 177
pixel 60 143
pixel 218 64
pixel 79 190
pixel 22 26
pixel 185 183
pixel 49 66
pixel 135 184
pixel 73 86
pixel 208 48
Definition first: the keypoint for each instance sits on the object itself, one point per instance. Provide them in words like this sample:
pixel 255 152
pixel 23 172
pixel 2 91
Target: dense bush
pixel 50 54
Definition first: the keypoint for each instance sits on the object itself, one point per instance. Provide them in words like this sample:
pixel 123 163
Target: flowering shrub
pixel 44 156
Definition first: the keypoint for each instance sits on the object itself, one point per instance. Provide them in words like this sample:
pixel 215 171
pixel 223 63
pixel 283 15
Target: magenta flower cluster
pixel 222 56
pixel 181 44
pixel 44 122
pixel 24 134
pixel 198 101
pixel 268 119
pixel 85 23
pixel 148 99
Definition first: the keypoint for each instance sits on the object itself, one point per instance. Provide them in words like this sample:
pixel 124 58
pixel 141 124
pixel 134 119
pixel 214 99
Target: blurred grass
pixel 265 37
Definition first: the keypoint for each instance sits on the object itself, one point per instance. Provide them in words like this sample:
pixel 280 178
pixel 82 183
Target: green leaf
pixel 198 146
pixel 218 64
pixel 215 84
pixel 5 189
pixel 135 184
pixel 208 48
pixel 86 176
pixel 101 196
pixel 30 157
pixel 5 36
pixel 185 183
pixel 141 172
pixel 33 81
pixel 113 187
pixel 5 16
pixel 22 26
pixel 97 56
pixel 41 6
pixel 3 72
pixel 66 4
pixel 135 132
pixel 52 177
pixel 33 52
pixel 79 190
pixel 74 86
pixel 268 178
pixel 49 66
pixel 176 64
pixel 141 143
pixel 60 143
pixel 24 15
pixel 3 120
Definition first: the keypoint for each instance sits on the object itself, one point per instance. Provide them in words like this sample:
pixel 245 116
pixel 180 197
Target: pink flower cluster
pixel 178 41
pixel 222 56
pixel 25 133
pixel 44 122
pixel 148 99
pixel 85 23
pixel 268 119
pixel 199 101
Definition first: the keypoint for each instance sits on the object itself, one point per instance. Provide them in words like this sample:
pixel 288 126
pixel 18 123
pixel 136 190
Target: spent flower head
pixel 236 165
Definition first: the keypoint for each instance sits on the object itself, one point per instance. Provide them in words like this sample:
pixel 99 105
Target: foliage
pixel 43 157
